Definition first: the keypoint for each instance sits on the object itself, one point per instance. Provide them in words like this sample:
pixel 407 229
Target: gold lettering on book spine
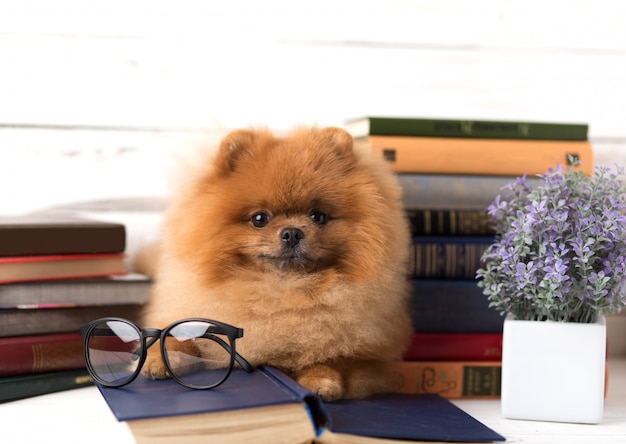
pixel 64 355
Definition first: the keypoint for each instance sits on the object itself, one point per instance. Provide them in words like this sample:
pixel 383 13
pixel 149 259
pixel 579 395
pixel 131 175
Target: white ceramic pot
pixel 553 371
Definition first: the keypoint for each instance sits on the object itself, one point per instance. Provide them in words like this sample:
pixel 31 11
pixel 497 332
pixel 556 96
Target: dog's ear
pixel 233 146
pixel 338 140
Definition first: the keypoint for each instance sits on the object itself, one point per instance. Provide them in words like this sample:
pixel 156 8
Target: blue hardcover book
pixel 268 406
pixel 458 191
pixel 449 222
pixel 452 306
pixel 447 257
pixel 405 417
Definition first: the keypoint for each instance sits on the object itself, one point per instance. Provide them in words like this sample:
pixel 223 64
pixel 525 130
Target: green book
pixel 480 129
pixel 26 386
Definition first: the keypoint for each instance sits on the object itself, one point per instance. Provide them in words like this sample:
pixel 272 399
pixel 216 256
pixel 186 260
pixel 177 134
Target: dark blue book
pixel 449 222
pixel 267 406
pixel 405 417
pixel 447 257
pixel 458 191
pixel 452 306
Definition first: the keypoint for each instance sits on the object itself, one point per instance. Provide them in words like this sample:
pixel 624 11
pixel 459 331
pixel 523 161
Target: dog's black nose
pixel 291 236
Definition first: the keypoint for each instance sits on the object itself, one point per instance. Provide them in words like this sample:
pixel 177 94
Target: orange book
pixel 454 379
pixel 450 379
pixel 500 157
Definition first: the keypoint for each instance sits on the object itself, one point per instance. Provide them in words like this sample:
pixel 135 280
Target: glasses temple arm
pixel 243 363
pixel 240 359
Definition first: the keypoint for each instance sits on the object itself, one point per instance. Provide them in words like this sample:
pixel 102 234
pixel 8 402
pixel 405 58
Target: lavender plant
pixel 560 247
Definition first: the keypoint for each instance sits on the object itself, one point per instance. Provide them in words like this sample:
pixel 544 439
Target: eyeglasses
pixel 197 353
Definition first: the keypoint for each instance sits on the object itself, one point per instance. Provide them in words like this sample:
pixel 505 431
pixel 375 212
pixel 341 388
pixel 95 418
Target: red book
pixel 68 266
pixel 23 355
pixel 455 347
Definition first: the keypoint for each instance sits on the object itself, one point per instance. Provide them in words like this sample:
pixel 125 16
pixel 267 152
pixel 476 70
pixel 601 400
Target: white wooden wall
pixel 95 97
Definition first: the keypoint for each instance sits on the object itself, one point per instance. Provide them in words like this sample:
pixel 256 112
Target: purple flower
pixel 560 250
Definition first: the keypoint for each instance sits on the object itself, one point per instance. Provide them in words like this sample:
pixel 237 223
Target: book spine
pixel 44 268
pixel 451 306
pixel 60 320
pixel 29 240
pixel 40 354
pixel 458 191
pixel 60 258
pixel 447 257
pixel 450 379
pixel 317 413
pixel 390 126
pixel 501 157
pixel 454 347
pixel 131 288
pixel 20 387
pixel 449 222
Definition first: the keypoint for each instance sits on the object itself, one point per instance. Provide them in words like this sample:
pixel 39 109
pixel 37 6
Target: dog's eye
pixel 260 219
pixel 319 217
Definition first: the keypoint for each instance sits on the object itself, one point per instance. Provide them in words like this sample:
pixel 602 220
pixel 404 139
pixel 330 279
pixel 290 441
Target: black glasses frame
pixel 148 336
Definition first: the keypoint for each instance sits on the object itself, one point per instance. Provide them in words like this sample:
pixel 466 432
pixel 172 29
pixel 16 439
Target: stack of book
pixel 450 171
pixel 57 274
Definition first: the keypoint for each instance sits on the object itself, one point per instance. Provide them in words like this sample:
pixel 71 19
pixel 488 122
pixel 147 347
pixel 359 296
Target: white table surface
pixel 82 416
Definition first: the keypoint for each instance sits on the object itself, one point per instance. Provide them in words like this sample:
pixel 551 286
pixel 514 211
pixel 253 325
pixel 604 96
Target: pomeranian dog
pixel 301 241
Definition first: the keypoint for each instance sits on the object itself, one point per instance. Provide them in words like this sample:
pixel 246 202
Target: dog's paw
pixel 322 380
pixel 154 368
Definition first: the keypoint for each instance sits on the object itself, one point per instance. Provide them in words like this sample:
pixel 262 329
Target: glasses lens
pixel 114 350
pixel 198 354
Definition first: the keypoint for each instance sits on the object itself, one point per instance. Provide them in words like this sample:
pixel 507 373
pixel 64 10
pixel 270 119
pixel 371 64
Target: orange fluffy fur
pixel 331 311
